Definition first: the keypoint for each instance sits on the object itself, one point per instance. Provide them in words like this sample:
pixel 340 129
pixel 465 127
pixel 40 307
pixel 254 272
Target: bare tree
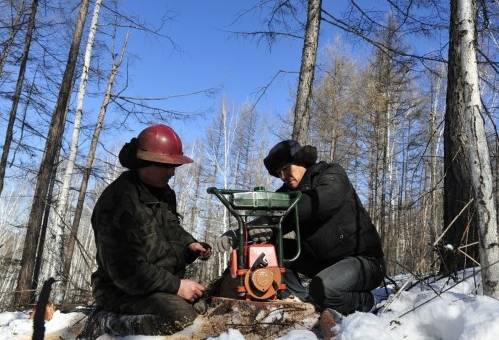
pixel 15 27
pixel 307 71
pixel 17 93
pixel 68 256
pixel 23 294
pixel 60 215
pixel 467 163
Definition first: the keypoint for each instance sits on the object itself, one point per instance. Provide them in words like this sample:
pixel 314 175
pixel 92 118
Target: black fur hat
pixel 128 156
pixel 289 151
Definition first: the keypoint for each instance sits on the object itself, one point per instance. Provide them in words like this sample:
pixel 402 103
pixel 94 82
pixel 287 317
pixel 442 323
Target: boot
pixel 329 318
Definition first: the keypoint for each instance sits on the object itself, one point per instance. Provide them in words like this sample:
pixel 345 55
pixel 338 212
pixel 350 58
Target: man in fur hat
pixel 340 248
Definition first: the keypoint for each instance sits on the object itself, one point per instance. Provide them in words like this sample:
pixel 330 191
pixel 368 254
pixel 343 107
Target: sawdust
pixel 255 320
pixel 260 320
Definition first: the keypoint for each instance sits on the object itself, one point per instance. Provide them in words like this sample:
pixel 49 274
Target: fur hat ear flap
pixel 128 155
pixel 306 156
pixel 289 151
pixel 281 154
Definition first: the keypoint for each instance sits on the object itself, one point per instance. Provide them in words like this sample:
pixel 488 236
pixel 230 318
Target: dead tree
pixel 467 161
pixel 87 171
pixel 23 295
pixel 9 42
pixel 60 217
pixel 307 70
pixel 17 93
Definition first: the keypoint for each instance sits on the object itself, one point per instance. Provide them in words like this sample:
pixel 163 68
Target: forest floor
pixel 434 309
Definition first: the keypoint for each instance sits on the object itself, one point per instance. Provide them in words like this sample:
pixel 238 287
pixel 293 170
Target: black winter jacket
pixel 141 247
pixel 333 222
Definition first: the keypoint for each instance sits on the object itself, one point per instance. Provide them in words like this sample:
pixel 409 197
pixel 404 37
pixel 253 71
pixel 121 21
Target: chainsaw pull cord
pixel 260 262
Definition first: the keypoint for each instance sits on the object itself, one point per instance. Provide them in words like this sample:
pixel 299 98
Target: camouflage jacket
pixel 141 247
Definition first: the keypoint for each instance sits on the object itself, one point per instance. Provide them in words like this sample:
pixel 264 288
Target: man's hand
pixel 202 249
pixel 226 241
pixel 190 290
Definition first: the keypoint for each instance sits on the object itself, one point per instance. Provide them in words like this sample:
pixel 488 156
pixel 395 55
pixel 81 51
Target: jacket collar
pixel 306 181
pixel 145 194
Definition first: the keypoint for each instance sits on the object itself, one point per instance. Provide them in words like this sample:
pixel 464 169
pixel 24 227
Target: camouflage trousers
pixel 155 314
pixel 171 308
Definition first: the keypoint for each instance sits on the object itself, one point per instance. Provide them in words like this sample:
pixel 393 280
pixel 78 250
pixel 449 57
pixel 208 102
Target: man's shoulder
pixel 126 181
pixel 328 171
pixel 123 186
pixel 325 167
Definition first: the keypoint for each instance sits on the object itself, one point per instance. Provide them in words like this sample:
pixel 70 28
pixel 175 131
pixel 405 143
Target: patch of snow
pixel 267 318
pixel 231 334
pixel 61 321
pixel 130 337
pixel 420 314
pixel 7 317
pixel 18 325
pixel 299 334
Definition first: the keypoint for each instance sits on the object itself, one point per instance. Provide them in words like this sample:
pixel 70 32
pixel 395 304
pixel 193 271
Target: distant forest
pixel 416 136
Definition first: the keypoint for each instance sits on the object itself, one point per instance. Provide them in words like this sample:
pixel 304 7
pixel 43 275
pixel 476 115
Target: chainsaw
pixel 258 267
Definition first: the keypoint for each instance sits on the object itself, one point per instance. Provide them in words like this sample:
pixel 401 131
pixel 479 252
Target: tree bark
pixel 60 215
pixel 467 160
pixel 17 93
pixel 307 70
pixel 43 232
pixel 23 294
pixel 88 168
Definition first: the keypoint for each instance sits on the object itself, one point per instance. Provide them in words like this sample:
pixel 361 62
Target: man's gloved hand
pixel 260 234
pixel 190 290
pixel 225 242
pixel 202 249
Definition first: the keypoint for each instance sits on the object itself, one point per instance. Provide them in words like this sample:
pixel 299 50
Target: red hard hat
pixel 159 143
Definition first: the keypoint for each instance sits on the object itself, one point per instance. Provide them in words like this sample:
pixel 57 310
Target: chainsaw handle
pixel 214 190
pixel 297 198
pixel 295 195
pixel 220 195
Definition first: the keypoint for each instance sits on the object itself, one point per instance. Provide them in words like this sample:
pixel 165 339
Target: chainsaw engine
pixel 258 267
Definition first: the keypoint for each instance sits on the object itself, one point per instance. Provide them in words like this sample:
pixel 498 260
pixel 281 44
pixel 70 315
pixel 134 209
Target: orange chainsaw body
pixel 261 280
pixel 258 268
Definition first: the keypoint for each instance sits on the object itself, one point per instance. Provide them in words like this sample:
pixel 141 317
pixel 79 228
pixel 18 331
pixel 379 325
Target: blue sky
pixel 209 56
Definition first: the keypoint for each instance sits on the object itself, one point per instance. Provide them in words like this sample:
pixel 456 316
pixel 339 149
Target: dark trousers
pixel 175 312
pixel 344 286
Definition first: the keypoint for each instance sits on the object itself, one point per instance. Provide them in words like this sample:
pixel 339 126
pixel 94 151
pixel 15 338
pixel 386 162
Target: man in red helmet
pixel 142 250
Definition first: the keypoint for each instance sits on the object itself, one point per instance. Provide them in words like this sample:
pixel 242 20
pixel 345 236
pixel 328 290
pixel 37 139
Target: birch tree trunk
pixel 23 295
pixel 223 258
pixel 59 221
pixel 435 134
pixel 17 93
pixel 88 168
pixel 466 150
pixel 307 69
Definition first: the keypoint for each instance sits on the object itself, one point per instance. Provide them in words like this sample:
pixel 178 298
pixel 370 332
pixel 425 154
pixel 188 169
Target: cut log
pixel 255 320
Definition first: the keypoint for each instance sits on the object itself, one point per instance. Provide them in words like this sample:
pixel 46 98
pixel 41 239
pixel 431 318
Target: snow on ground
pixel 17 325
pixel 439 310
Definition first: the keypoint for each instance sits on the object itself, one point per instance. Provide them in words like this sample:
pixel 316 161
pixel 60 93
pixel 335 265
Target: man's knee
pixel 320 291
pixel 327 295
pixel 171 307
